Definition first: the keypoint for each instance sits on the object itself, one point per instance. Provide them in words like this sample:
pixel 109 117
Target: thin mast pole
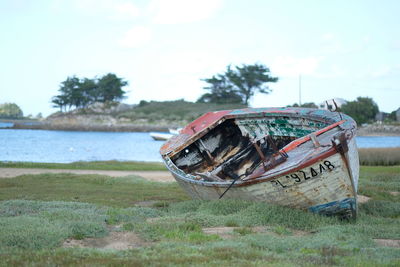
pixel 299 89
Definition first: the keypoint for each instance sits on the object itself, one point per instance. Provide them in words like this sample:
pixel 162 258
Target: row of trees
pixel 81 92
pixel 236 85
pixel 362 110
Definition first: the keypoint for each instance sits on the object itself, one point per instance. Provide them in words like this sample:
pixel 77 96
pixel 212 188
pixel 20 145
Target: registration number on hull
pixel 303 175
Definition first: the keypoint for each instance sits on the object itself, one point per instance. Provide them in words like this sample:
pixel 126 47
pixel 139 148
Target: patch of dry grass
pixel 379 156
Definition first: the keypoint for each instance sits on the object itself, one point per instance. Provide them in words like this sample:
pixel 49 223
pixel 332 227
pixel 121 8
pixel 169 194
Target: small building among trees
pixel 381 116
pixel 398 115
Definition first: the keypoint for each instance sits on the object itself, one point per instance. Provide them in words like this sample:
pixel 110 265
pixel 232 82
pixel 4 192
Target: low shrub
pixel 28 232
pixel 28 224
pixel 381 208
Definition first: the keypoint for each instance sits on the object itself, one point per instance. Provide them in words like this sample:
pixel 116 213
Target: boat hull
pixel 327 186
pixel 300 158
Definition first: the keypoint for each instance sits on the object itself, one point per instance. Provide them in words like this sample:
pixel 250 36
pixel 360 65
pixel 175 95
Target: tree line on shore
pixel 237 85
pixel 81 92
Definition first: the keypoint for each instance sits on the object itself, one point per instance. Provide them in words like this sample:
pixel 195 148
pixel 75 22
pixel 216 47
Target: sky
pixel 163 48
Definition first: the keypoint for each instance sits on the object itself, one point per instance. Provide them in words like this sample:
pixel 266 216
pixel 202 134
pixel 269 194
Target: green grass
pixel 102 190
pixel 379 156
pixel 380 183
pixel 178 112
pixel 90 165
pixel 32 231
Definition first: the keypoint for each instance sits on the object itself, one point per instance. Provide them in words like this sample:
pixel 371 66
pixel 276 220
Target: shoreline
pixel 378 134
pixel 370 130
pixel 90 128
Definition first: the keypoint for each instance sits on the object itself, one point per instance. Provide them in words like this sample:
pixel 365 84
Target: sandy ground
pixel 129 240
pixel 123 240
pixel 158 176
pixel 394 243
pixel 115 241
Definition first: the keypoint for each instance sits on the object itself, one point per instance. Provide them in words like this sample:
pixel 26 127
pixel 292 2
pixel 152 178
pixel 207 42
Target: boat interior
pixel 236 147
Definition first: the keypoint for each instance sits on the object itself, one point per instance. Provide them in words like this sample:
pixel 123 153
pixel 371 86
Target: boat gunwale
pixel 169 150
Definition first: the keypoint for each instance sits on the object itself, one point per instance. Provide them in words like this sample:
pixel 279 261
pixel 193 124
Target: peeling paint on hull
pixel 322 179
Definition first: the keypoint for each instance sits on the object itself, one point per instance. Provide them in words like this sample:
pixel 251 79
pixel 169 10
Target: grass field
pixel 177 112
pixel 90 165
pixel 39 213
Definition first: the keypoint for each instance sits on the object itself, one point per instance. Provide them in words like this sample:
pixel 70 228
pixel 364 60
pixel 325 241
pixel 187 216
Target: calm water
pixel 6 124
pixel 378 141
pixel 63 146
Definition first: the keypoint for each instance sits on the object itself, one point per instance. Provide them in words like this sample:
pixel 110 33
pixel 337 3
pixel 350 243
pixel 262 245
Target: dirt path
pixel 158 176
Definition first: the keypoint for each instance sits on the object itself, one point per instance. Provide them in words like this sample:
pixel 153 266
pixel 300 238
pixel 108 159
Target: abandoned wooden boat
pixel 296 157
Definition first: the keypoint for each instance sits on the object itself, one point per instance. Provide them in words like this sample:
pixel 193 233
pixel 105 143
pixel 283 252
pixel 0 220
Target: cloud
pixel 384 71
pixel 395 45
pixel 331 44
pixel 328 36
pixel 178 73
pixel 135 37
pixel 291 66
pixel 116 9
pixel 126 10
pixel 189 61
pixel 183 11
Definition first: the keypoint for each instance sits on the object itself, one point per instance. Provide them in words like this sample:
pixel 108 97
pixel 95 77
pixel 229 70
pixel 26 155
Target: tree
pixel 240 82
pixel 71 94
pixel 10 111
pixel 59 101
pixel 248 79
pixel 362 110
pixel 221 92
pixel 110 88
pixel 89 90
pixel 79 93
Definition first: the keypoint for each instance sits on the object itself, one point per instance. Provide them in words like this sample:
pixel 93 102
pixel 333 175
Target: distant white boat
pixel 175 131
pixel 161 136
pixel 165 136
